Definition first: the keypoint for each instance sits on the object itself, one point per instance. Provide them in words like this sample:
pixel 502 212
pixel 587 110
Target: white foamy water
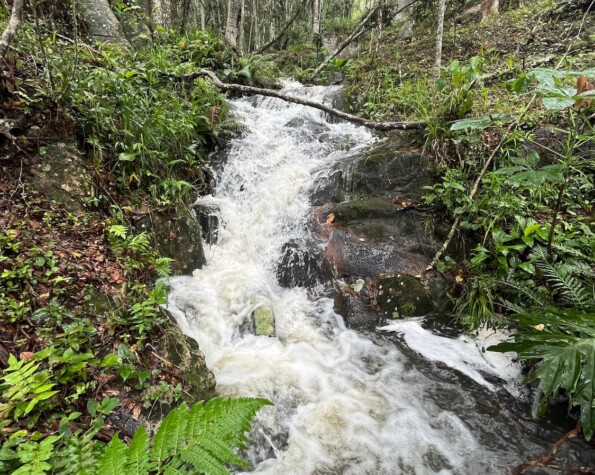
pixel 344 403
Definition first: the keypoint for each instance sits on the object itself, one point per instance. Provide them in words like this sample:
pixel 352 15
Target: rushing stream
pixel 400 400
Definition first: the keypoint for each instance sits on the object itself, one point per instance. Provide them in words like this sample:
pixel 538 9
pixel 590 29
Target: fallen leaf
pixel 27 356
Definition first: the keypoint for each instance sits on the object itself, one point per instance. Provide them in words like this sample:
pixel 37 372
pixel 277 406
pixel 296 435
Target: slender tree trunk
pixel 233 23
pixel 439 35
pixel 489 8
pixel 381 4
pixel 316 20
pixel 203 15
pixel 283 28
pixel 13 24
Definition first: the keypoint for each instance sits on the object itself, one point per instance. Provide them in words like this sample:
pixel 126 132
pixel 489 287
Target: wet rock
pixel 307 126
pixel 368 247
pixel 63 176
pixel 176 234
pixel 394 168
pixel 363 209
pixel 355 304
pixel 299 267
pixel 264 321
pixel 403 296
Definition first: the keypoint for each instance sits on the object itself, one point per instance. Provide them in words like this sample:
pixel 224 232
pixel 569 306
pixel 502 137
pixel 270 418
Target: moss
pixel 264 321
pixel 403 296
pixel 363 209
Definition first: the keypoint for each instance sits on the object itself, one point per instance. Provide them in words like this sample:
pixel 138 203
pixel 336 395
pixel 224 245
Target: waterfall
pixel 345 402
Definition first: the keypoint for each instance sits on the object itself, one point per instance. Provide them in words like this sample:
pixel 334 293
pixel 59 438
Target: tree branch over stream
pixel 381 126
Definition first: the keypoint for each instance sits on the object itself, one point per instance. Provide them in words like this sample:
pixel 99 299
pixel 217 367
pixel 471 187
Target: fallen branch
pixel 13 25
pixel 381 126
pixel 546 459
pixel 359 30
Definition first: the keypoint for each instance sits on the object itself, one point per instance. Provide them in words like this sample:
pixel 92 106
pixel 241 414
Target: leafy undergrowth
pixel 78 301
pixel 506 44
pixel 83 327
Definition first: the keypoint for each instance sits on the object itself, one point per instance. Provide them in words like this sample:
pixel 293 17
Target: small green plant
pixel 24 388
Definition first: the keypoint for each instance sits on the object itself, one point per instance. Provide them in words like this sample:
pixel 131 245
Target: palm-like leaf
pixel 563 342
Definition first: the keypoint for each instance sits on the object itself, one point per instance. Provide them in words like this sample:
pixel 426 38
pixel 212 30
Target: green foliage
pixel 203 439
pixel 24 388
pixel 562 343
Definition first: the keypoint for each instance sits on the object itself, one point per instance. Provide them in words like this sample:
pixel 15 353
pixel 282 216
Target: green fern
pixel 79 455
pixel 138 454
pixel 203 439
pixel 200 440
pixel 113 460
pixel 562 342
pixel 560 276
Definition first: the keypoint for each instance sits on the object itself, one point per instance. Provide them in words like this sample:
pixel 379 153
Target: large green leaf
pixel 562 341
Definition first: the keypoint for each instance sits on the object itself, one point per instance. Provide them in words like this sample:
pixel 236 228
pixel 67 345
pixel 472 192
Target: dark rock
pixel 353 304
pixel 364 209
pixel 393 168
pixel 176 234
pixel 392 241
pixel 298 267
pixel 403 296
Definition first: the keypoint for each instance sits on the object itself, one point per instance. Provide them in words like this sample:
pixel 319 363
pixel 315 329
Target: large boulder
pixel 102 23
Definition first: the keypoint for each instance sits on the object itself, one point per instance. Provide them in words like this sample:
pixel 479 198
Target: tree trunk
pixel 316 21
pixel 381 4
pixel 489 7
pixel 13 24
pixel 103 24
pixel 283 28
pixel 233 23
pixel 439 34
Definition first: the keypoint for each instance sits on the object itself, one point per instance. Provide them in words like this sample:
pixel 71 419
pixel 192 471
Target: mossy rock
pixel 403 296
pixel 364 209
pixel 184 352
pixel 176 234
pixel 264 321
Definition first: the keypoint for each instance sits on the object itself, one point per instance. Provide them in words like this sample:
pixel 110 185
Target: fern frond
pixel 559 277
pixel 113 460
pixel 164 444
pixel 138 454
pixel 205 437
pixel 80 454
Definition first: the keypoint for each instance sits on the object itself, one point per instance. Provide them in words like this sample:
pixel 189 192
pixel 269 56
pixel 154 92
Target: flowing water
pixel 400 400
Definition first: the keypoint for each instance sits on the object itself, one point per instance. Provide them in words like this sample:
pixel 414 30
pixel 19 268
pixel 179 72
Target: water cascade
pixel 400 400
